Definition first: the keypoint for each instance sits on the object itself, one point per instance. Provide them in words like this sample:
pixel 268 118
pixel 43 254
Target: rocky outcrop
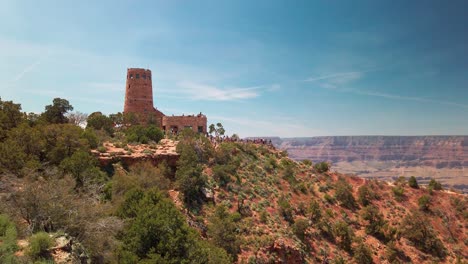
pixel 128 160
pixel 131 154
pixel 67 250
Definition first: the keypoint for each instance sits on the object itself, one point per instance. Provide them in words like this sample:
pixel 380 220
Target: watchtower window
pixel 138 76
pixel 149 77
pixel 131 76
pixel 144 76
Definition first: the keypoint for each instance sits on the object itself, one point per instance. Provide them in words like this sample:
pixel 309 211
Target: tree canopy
pixel 55 113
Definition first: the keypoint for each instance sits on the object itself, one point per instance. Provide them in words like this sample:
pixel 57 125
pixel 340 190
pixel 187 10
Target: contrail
pixel 26 70
pixel 406 98
pixel 334 75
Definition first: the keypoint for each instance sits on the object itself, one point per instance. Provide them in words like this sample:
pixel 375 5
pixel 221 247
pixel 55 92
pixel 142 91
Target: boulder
pixel 68 250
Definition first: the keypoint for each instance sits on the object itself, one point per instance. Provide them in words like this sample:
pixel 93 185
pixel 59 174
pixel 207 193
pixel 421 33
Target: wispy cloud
pixel 341 77
pixel 352 75
pixel 406 98
pixel 274 87
pixel 338 82
pixel 199 91
pixel 26 70
pixel 208 92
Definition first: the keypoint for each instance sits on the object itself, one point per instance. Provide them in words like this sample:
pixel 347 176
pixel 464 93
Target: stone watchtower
pixel 139 101
pixel 139 95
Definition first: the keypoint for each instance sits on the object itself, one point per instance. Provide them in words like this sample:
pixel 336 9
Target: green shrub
pixel 417 229
pixel 413 183
pixel 91 137
pixel 324 188
pixel 391 253
pixel 301 208
pixel 362 254
pixel 460 206
pixel 158 232
pixel 102 149
pixel 154 133
pixel 329 199
pixel 144 134
pixel 223 231
pixel 147 152
pixel 376 222
pixel 401 181
pixel 344 194
pixel 289 175
pixel 189 177
pixel 322 167
pixel 39 245
pixel 365 195
pixel 270 164
pixel 84 168
pixel 264 216
pixel 315 211
pixel 221 174
pixel 398 193
pixel 339 260
pixel 8 236
pixel 435 185
pixel 285 209
pixel 326 229
pixel 4 224
pixel 344 235
pixel 424 202
pixel 99 121
pixel 299 228
pixel 301 187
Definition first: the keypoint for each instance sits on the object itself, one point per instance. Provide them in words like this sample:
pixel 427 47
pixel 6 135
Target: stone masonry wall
pixel 178 123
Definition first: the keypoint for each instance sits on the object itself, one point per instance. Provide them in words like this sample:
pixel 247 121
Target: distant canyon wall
pixel 441 157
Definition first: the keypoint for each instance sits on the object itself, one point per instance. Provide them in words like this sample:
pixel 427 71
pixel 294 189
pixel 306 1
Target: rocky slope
pixel 291 212
pixel 442 157
pixel 264 207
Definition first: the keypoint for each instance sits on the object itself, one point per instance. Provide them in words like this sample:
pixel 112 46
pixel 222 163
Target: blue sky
pixel 262 68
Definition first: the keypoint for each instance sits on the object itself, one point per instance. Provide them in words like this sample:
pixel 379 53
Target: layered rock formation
pixel 131 154
pixel 441 157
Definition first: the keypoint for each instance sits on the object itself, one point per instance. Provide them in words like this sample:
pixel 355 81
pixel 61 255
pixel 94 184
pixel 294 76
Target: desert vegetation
pixel 233 202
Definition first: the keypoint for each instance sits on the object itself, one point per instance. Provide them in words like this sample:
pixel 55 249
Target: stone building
pixel 139 101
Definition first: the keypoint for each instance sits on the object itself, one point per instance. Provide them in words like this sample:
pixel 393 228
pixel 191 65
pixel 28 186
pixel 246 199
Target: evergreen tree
pixel 55 113
pixel 344 194
pixel 189 178
pixel 413 183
